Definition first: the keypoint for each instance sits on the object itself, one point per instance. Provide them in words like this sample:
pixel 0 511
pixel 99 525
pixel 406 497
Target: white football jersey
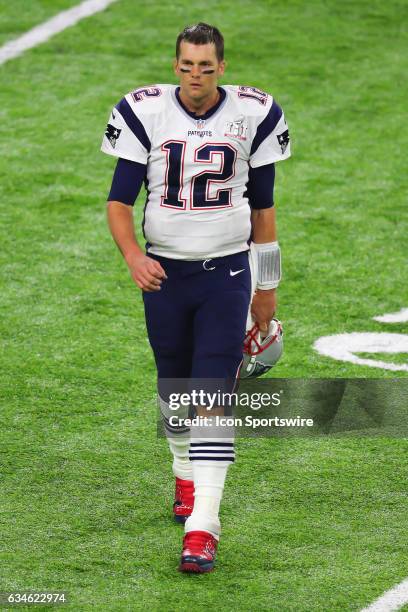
pixel 197 167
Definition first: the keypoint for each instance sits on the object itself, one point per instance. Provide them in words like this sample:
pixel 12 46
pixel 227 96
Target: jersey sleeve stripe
pixel 266 126
pixel 134 123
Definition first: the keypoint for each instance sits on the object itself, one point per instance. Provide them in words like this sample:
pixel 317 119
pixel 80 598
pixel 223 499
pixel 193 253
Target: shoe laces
pixel 199 539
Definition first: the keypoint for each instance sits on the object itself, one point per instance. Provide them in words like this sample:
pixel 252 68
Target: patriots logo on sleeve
pixel 283 140
pixel 112 134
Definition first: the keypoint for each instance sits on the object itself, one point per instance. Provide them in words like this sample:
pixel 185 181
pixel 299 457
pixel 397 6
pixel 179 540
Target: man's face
pixel 198 70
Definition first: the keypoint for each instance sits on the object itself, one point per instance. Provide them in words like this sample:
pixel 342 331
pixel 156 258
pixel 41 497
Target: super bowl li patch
pixel 237 128
pixel 283 140
pixel 112 134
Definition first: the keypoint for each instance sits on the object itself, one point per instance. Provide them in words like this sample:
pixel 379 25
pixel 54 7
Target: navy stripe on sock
pixel 210 450
pixel 211 444
pixel 230 459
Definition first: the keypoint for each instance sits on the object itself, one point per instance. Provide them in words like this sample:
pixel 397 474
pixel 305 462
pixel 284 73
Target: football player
pixel 206 155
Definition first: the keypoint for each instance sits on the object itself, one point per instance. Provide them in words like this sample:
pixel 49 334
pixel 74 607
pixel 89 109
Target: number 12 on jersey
pixel 199 196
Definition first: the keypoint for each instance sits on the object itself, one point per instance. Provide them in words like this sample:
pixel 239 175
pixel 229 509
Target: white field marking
pixel 344 346
pixel 394 317
pixel 392 600
pixel 46 30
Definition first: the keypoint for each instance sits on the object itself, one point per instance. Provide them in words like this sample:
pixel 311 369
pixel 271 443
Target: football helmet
pixel 261 353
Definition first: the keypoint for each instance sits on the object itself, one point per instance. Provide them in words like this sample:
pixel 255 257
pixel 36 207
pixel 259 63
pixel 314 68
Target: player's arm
pixel 270 144
pixel 126 183
pixel 126 139
pixel 264 237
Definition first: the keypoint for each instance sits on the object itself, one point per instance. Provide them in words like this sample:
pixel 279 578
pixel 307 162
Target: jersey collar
pixel 211 111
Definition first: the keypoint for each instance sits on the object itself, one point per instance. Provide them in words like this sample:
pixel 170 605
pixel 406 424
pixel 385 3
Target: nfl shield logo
pixel 200 123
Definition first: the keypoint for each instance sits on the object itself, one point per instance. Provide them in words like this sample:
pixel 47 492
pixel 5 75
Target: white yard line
pixel 394 317
pixel 392 600
pixel 49 28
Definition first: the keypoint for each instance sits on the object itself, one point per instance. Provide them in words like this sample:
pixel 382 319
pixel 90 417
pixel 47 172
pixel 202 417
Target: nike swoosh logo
pixel 236 272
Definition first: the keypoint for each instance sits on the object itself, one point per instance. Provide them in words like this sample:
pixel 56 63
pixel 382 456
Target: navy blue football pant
pixel 196 323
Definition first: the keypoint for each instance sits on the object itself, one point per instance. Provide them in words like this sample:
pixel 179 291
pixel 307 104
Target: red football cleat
pixel 198 556
pixel 183 500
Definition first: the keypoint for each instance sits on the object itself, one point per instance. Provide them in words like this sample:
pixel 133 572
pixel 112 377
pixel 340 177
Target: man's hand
pixel 263 307
pixel 145 271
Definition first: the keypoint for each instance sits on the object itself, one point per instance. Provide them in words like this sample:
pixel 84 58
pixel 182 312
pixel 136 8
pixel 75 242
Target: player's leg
pixel 219 331
pixel 169 322
pixel 178 437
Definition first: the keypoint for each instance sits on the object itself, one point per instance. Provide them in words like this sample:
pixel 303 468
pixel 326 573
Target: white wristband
pixel 269 264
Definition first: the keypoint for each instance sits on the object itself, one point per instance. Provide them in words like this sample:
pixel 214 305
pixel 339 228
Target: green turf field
pixel 85 483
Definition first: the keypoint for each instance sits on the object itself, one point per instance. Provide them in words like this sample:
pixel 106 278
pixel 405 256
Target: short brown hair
pixel 202 34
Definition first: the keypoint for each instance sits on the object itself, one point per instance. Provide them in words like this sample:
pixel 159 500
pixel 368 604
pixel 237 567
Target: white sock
pixel 209 479
pixel 179 443
pixel 179 446
pixel 211 458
